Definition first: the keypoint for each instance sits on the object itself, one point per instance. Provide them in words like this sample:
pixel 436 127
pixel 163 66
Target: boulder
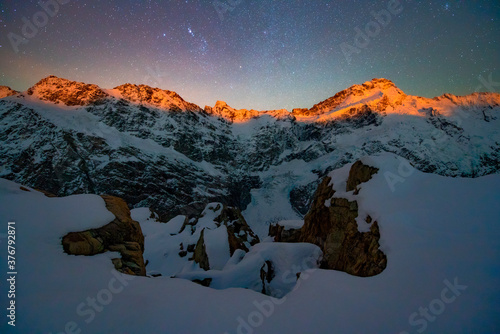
pixel 122 235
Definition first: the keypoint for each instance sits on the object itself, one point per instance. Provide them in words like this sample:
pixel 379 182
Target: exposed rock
pixel 282 233
pixel 240 235
pixel 122 235
pixel 266 275
pixel 220 230
pixel 358 174
pixel 203 282
pixel 301 197
pixel 176 162
pixel 70 93
pixel 200 252
pixel 333 227
pixel 164 99
pixel 271 268
pixel 7 91
pixel 223 110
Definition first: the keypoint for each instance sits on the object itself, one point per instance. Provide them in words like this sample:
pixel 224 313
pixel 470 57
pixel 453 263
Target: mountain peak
pixel 223 110
pixel 371 92
pixel 7 91
pixel 156 97
pixel 70 93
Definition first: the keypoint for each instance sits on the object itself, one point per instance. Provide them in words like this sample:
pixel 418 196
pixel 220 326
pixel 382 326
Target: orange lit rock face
pixel 70 93
pixel 377 94
pixel 6 91
pixel 223 110
pixel 380 96
pixel 163 99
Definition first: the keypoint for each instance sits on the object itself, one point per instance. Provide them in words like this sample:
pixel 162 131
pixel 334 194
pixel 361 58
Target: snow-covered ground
pixel 441 236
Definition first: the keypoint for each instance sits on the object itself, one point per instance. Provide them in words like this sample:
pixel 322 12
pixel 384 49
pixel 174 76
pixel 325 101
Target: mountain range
pixel 154 149
pixel 364 207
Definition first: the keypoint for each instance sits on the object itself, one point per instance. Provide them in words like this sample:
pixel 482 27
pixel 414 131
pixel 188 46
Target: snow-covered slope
pixel 154 149
pixel 440 235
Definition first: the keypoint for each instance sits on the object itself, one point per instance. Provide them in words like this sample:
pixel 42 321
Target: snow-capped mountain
pixel 154 149
pixel 223 110
pixel 7 91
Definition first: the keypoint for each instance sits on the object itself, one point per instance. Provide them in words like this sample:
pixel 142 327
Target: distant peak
pixel 368 92
pixel 52 79
pixel 70 93
pixel 156 97
pixel 221 104
pixel 223 110
pixel 7 91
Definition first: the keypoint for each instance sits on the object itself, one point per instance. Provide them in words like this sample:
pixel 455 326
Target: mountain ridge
pixel 378 93
pixel 266 164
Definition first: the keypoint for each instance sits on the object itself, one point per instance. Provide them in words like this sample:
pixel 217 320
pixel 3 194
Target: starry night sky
pixel 265 54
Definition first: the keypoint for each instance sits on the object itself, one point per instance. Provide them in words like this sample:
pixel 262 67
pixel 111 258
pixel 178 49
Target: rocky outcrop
pixel 240 235
pixel 267 274
pixel 359 173
pixel 331 224
pixel 70 93
pixel 200 255
pixel 216 218
pixel 282 233
pixel 122 235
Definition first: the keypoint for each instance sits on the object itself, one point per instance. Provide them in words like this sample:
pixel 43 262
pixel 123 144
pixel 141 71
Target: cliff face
pixel 122 235
pixel 331 224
